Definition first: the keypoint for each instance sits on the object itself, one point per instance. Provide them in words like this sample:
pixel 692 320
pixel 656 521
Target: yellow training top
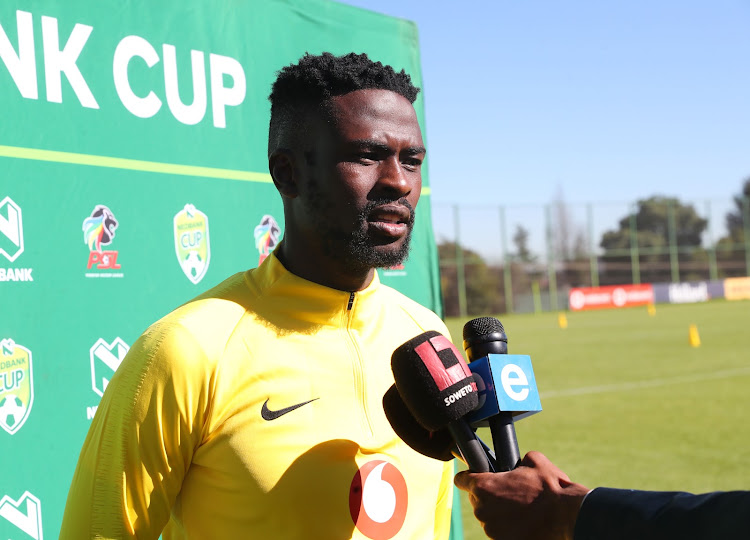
pixel 254 411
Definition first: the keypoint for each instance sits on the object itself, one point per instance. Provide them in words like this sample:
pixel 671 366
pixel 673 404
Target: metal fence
pixel 526 258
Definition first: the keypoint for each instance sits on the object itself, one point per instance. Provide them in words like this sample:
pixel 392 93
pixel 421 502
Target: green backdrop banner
pixel 133 176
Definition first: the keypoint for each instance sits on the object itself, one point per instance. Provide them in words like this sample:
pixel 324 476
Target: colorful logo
pixel 99 230
pixel 24 514
pixel 105 359
pixel 378 500
pixel 266 236
pixel 11 229
pixel 191 242
pixel 16 385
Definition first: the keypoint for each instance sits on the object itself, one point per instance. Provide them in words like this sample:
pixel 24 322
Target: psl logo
pixel 16 385
pixel 378 500
pixel 99 230
pixel 266 236
pixel 191 242
pixel 11 229
pixel 24 514
pixel 105 359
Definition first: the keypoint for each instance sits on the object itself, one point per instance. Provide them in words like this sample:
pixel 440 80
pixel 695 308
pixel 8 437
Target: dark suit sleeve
pixel 621 514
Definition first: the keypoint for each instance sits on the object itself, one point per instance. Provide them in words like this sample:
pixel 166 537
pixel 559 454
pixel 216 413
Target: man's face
pixel 363 178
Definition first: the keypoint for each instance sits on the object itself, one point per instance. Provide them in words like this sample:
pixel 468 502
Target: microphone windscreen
pixel 434 380
pixel 434 444
pixel 484 335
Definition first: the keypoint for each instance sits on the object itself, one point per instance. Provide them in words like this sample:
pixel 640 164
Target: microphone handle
pixel 505 442
pixel 469 446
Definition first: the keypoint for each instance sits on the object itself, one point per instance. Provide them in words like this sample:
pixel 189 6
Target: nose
pixel 395 181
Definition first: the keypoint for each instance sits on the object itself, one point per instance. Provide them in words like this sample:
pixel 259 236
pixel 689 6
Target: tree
pixel 652 236
pixel 483 283
pixel 730 249
pixel 521 242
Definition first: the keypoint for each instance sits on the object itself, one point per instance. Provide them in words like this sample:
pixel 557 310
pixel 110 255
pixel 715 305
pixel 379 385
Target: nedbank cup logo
pixel 105 359
pixel 266 236
pixel 11 229
pixel 16 385
pixel 191 242
pixel 25 514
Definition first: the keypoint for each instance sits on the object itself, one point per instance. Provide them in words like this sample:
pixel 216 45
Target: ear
pixel 283 168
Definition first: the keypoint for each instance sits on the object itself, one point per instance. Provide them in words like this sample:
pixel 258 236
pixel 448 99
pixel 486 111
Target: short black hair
pixel 315 79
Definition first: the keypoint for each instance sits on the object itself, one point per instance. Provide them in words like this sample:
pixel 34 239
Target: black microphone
pixel 435 444
pixel 484 336
pixel 438 389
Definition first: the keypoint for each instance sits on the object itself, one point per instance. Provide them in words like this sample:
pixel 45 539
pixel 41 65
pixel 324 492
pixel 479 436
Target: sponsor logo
pixel 683 293
pixel 191 242
pixel 16 385
pixel 105 359
pixel 737 288
pixel 269 415
pixel 24 514
pixel 610 297
pixel 11 229
pixel 11 240
pixel 378 500
pixel 266 236
pixel 99 230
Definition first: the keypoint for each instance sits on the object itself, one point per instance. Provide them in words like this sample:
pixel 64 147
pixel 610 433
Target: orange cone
pixel 562 320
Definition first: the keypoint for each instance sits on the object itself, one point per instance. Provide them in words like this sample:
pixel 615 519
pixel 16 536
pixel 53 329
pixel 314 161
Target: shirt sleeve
pixel 621 514
pixel 141 440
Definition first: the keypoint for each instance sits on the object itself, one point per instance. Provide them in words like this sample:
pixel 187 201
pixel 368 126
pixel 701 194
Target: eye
pixel 367 158
pixel 411 163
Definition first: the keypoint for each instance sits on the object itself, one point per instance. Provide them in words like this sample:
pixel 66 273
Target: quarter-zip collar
pixel 311 304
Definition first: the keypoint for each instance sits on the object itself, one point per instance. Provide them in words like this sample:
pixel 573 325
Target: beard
pixel 366 252
pixel 355 249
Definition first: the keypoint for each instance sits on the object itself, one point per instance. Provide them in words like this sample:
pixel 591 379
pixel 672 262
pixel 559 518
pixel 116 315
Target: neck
pixel 322 269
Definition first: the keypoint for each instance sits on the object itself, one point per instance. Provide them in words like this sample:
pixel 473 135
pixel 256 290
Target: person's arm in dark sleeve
pixel 621 514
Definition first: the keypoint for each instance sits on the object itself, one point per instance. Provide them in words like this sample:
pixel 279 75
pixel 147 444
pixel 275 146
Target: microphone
pixel 435 444
pixel 438 390
pixel 484 336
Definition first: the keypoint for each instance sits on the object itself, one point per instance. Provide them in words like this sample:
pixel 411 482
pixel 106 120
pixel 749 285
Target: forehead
pixel 375 114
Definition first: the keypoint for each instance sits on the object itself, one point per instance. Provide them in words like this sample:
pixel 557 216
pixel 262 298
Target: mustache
pixel 372 205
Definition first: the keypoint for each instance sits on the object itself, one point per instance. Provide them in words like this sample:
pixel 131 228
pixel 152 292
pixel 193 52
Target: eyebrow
pixel 377 145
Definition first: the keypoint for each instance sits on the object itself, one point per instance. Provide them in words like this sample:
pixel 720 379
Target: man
pixel 537 501
pixel 254 411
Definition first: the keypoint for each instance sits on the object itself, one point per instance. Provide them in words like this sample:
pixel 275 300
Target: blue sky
pixel 586 101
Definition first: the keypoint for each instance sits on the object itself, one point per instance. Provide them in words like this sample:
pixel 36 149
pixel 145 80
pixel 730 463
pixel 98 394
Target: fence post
pixel 507 274
pixel 460 276
pixel 674 261
pixel 713 271
pixel 593 257
pixel 551 271
pixel 746 231
pixel 634 261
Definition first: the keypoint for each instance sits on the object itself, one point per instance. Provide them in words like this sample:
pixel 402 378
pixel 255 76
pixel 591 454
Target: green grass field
pixel 629 403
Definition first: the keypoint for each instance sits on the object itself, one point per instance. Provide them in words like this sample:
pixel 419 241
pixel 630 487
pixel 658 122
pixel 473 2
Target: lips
pixel 390 220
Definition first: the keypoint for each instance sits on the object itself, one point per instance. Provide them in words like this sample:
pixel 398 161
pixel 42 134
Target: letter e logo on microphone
pixel 512 377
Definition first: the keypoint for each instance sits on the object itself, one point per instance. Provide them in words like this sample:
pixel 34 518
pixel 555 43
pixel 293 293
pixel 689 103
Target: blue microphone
pixel 506 386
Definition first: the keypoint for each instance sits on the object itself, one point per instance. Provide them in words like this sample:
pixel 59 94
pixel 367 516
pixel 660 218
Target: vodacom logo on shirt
pixel 378 500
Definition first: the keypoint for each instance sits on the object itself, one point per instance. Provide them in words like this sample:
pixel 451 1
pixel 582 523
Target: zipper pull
pixel 351 302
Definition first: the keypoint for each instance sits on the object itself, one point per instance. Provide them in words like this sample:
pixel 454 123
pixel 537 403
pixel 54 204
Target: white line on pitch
pixel 635 385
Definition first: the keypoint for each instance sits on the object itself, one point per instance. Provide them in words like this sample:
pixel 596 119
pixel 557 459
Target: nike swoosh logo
pixel 268 414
